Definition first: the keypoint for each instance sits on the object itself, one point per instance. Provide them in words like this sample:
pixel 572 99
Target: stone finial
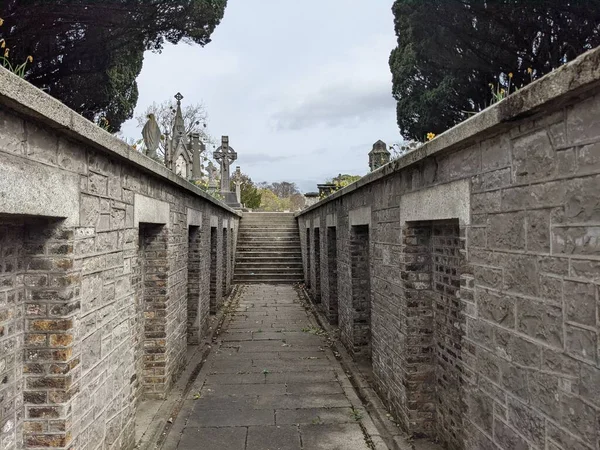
pixel 379 155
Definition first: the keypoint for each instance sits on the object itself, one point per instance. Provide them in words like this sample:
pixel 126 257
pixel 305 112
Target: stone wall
pixel 97 296
pixel 484 270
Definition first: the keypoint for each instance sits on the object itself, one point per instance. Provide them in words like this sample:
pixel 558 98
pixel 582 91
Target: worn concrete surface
pixel 272 383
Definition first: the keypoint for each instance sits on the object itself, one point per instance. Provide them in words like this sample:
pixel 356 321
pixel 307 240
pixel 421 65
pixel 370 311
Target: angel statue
pixel 151 134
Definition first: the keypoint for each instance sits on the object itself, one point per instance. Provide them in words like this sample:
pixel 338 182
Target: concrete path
pixel 272 383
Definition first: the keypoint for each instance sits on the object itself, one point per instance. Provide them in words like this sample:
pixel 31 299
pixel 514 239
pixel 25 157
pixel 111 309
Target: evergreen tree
pixel 88 54
pixel 450 51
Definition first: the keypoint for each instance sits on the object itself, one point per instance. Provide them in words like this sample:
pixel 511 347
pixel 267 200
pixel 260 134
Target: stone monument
pixel 237 180
pixel 379 156
pixel 226 155
pixel 151 135
pixel 183 155
pixel 197 148
pixel 212 176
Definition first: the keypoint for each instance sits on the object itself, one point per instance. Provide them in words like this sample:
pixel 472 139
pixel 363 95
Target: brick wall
pixel 317 259
pixel 330 296
pixel 95 304
pixel 485 329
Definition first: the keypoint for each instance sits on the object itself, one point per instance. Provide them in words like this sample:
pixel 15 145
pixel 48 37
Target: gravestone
pixel 237 180
pixel 226 155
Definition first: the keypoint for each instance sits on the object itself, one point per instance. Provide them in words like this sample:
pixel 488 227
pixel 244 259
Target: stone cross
pixel 225 155
pixel 237 180
pixel 197 147
pixel 212 176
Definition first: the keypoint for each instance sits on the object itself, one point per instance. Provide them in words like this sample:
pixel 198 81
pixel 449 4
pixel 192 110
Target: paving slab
pixel 314 416
pixel 213 439
pixel 344 436
pixel 274 438
pixel 271 382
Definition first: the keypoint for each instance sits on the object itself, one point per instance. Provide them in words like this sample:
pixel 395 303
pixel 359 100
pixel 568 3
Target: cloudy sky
pixel 303 89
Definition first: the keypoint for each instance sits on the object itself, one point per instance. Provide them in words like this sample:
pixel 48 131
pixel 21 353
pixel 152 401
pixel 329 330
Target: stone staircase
pixel 268 249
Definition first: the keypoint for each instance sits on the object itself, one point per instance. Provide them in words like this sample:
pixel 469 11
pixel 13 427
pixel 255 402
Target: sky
pixel 302 88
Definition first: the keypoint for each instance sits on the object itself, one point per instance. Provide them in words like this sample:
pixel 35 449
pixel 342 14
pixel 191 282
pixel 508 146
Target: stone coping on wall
pixel 27 100
pixel 555 89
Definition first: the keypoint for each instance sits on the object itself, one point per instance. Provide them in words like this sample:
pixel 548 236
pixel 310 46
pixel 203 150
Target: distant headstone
pixel 197 148
pixel 225 155
pixel 212 176
pixel 379 156
pixel 237 180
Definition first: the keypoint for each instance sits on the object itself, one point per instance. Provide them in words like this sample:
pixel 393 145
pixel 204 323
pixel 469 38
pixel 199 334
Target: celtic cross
pixel 225 155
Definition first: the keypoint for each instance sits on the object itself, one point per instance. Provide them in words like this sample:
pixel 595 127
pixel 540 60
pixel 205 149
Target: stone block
pixel 446 201
pixel 520 273
pixel 541 321
pixel 460 164
pixel 488 276
pixel 588 158
pixel 507 438
pixel 34 189
pixel 533 158
pixel 582 343
pixel 580 302
pixel 71 156
pixel 495 153
pixel 496 307
pixel 581 201
pixel 579 417
pixel 588 269
pixel 479 409
pixel 576 240
pixel 97 184
pixel 91 350
pixel 542 195
pixel 12 133
pixel 487 202
pixel 506 231
pixel 41 144
pixel 581 120
pixel 494 180
pixel 538 231
pixel 589 387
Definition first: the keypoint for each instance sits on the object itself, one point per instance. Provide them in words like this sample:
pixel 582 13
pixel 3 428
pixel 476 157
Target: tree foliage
pixel 343 180
pixel 251 195
pixel 450 51
pixel 271 202
pixel 283 189
pixel 88 54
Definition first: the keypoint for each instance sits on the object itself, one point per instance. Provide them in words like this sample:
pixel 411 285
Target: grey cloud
pixel 256 158
pixel 338 106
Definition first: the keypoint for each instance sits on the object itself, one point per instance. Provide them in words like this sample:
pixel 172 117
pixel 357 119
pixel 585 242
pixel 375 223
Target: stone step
pixel 267 241
pixel 270 254
pixel 262 270
pixel 294 281
pixel 269 233
pixel 267 246
pixel 287 222
pixel 260 265
pixel 268 249
pixel 267 214
pixel 270 224
pixel 283 260
pixel 263 277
